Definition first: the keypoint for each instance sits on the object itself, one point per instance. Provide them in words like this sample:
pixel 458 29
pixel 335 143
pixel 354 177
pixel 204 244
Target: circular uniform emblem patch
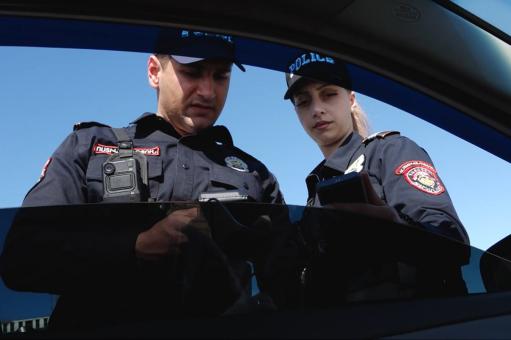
pixel 236 164
pixel 421 176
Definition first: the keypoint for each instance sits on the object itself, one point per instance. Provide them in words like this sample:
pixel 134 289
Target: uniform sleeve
pixel 272 191
pixel 73 251
pixel 413 187
pixel 63 178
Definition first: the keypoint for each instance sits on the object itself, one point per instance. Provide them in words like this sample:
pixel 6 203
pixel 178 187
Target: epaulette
pixel 379 135
pixel 83 125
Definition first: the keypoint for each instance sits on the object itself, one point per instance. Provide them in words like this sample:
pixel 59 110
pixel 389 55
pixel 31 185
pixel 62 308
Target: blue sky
pixel 45 91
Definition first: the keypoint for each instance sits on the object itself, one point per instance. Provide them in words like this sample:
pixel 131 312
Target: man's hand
pixel 165 236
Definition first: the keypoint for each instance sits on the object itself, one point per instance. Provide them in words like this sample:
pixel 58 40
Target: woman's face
pixel 325 113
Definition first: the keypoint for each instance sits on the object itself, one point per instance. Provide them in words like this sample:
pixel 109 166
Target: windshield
pixel 495 12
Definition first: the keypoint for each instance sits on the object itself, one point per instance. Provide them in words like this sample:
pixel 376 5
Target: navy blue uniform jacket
pixel 179 168
pixel 95 269
pixel 403 176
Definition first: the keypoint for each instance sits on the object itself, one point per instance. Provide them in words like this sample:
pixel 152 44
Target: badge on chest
pixel 236 164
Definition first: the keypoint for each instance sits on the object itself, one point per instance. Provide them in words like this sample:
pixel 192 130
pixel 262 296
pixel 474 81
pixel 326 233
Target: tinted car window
pixel 47 90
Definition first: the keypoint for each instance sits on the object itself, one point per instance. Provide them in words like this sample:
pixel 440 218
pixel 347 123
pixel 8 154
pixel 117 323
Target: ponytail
pixel 360 121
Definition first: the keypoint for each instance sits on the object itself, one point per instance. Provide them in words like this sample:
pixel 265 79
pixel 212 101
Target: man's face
pixel 190 96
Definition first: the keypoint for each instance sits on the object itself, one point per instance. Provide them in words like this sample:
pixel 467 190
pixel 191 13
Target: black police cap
pixel 192 46
pixel 315 66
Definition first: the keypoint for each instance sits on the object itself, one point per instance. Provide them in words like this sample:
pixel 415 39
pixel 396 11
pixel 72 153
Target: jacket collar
pixel 340 158
pixel 218 133
pixel 334 165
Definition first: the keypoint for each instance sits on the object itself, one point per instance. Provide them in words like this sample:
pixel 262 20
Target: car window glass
pixel 45 91
pixel 495 12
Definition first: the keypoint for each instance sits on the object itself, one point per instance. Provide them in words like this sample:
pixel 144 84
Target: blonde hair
pixel 360 121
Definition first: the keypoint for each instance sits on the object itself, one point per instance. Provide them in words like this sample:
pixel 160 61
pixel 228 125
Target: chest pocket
pixel 94 177
pixel 222 177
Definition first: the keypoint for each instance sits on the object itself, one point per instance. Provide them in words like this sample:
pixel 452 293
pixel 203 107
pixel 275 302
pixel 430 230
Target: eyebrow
pixel 323 85
pixel 195 66
pixel 199 67
pixel 319 87
pixel 299 93
pixel 224 70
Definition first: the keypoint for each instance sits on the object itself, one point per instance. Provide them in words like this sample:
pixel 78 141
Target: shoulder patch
pixel 84 125
pixel 45 169
pixel 421 176
pixel 379 135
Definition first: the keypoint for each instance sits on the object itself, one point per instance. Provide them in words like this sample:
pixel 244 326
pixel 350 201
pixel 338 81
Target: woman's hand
pixel 374 207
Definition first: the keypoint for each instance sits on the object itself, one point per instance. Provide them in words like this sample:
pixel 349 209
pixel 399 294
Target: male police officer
pixel 176 154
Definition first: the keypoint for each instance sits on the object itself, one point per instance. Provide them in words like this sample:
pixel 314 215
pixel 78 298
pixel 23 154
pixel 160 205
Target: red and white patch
pixel 151 151
pixel 100 149
pixel 421 176
pixel 45 169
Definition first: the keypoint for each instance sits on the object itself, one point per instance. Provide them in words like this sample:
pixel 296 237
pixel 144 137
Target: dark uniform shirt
pixel 401 173
pixel 179 168
pixel 92 263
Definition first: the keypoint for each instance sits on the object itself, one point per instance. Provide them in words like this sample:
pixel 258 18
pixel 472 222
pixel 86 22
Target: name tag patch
pixel 421 176
pixel 100 149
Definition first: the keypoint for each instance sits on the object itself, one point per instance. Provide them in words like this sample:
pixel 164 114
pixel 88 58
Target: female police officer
pixel 398 182
pixel 400 172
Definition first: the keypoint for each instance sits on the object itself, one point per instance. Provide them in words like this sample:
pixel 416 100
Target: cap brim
pixel 186 60
pixel 294 86
pixel 300 82
pixel 189 60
